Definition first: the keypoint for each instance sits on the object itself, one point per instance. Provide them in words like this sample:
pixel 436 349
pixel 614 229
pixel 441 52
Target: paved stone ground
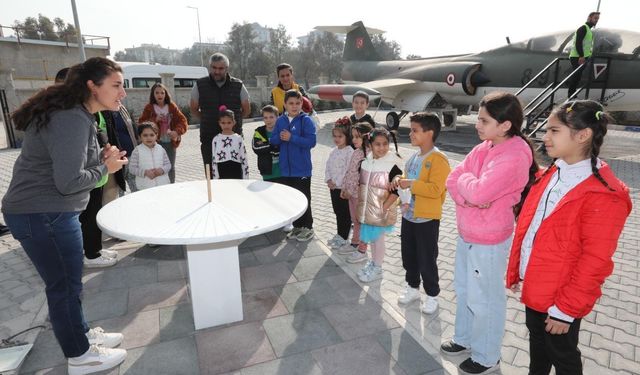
pixel 609 341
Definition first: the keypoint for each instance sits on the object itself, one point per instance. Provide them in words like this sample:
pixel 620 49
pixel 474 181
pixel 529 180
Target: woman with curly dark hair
pixel 59 164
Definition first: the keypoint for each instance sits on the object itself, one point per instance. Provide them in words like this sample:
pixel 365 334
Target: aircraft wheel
pixel 393 121
pixel 448 119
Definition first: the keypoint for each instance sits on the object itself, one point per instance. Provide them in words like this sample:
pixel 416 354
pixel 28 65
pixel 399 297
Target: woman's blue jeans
pixel 53 242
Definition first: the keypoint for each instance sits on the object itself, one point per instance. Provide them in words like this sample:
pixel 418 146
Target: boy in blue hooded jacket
pixel 295 133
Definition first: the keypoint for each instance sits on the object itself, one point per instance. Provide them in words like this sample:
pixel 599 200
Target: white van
pixel 145 75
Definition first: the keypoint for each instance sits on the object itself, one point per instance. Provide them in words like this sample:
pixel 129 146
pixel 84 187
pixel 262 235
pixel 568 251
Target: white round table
pixel 180 214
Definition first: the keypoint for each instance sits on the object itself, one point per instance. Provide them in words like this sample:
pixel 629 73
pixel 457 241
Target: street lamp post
pixel 199 36
pixel 83 57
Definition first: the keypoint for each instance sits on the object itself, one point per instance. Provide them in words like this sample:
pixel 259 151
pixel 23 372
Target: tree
pixel 328 50
pixel 124 56
pixel 241 47
pixel 388 50
pixel 27 29
pixel 45 29
pixel 65 31
pixel 279 44
pixel 413 57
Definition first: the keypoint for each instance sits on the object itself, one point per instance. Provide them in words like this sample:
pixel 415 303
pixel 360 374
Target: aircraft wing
pixel 404 94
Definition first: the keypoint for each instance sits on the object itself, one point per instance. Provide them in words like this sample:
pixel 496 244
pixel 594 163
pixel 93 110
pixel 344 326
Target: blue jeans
pixel 481 308
pixel 53 242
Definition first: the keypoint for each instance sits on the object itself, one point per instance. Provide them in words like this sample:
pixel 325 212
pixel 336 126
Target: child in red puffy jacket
pixel 565 237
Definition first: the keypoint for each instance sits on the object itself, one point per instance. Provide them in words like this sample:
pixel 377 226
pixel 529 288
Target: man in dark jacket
pixel 213 91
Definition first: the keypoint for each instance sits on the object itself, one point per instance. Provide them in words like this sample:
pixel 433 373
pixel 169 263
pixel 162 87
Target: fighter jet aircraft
pixel 452 84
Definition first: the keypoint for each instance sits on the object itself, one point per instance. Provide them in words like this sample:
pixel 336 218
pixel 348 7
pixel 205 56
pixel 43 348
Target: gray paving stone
pixel 299 332
pixel 309 295
pixel 172 270
pixel 154 296
pixel 115 278
pixel 353 320
pixel 232 348
pixel 45 353
pixel 255 241
pixel 247 259
pixel 176 321
pixel 279 252
pixel 139 329
pixel 407 352
pixel 261 305
pixel 361 356
pixel 314 267
pixel 309 249
pixel 265 276
pixel 346 287
pixel 105 305
pixel 302 363
pixel 176 357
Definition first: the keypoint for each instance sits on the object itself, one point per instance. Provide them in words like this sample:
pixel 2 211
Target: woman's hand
pixel 150 174
pixel 113 158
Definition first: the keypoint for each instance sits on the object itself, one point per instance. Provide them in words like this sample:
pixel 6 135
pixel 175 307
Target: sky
pixel 425 28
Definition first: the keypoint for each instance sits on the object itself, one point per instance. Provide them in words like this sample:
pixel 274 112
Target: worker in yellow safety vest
pixel 582 49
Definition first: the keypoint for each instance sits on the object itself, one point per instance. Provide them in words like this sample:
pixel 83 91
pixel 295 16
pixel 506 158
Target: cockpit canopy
pixel 606 42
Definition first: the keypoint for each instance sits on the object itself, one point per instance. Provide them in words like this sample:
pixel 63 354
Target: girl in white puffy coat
pixel 149 162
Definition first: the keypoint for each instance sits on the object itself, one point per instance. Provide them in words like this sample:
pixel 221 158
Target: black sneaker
pixel 452 348
pixel 469 366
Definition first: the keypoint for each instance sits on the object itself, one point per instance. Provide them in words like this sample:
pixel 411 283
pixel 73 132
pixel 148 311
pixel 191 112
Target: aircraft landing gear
pixel 393 119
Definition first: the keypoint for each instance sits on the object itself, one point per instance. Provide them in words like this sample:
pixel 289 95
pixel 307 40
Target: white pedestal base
pixel 214 281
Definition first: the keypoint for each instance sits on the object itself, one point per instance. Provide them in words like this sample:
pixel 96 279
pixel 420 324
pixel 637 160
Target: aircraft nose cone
pixel 479 79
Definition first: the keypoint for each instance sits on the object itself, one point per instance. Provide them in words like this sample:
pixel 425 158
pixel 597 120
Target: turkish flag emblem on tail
pixel 359 43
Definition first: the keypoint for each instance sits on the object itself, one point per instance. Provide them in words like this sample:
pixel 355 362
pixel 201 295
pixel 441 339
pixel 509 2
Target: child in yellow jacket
pixel 425 176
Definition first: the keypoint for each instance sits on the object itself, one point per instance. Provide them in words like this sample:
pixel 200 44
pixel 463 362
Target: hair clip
pixel 343 121
pixel 570 108
pixel 599 115
pixel 222 108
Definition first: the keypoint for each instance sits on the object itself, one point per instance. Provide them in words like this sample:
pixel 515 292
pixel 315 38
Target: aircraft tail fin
pixel 358 45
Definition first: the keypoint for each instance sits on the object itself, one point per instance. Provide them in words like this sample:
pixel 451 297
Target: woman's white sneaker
pixel 408 295
pixel 97 358
pixel 99 337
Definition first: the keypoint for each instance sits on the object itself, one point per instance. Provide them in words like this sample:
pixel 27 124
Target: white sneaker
pixel 294 232
pixel 99 262
pixel 373 273
pixel 364 269
pixel 99 337
pixel 109 253
pixel 96 359
pixel 430 305
pixel 409 295
pixel 305 235
pixel 333 239
pixel 287 228
pixel 357 257
pixel 345 249
pixel 340 242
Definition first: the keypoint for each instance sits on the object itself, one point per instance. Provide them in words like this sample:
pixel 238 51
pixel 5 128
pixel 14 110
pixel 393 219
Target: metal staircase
pixel 538 109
